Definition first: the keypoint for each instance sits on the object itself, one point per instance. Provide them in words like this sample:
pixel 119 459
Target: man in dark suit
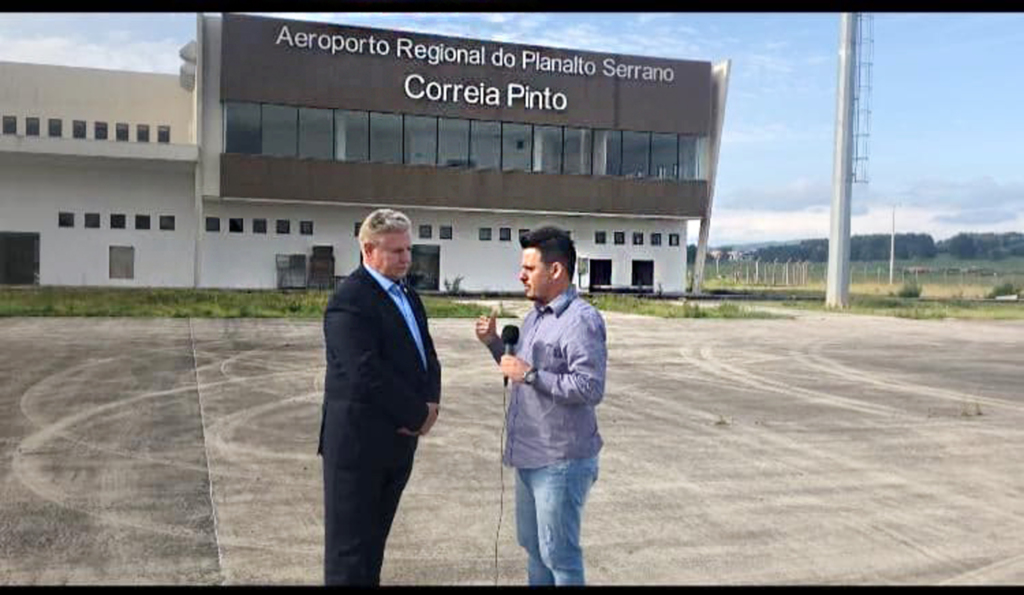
pixel 381 392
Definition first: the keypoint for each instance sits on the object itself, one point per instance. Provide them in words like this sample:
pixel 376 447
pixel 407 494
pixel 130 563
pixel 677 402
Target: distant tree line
pixel 984 246
pixel 909 246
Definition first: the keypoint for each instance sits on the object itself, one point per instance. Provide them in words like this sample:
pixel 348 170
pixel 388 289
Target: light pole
pixel 837 285
pixel 892 245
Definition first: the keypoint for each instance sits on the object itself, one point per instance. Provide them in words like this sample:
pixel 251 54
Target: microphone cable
pixel 501 467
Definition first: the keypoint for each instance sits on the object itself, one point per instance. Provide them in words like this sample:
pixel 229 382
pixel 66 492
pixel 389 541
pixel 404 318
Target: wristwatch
pixel 530 376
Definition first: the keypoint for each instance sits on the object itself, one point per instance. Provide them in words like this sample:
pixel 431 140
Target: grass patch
pixel 918 310
pixel 194 303
pixel 670 309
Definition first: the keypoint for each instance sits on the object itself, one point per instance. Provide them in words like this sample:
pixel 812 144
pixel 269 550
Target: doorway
pixel 643 273
pixel 19 258
pixel 426 267
pixel 600 274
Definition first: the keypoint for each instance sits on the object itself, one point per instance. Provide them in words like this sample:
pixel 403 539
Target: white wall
pixel 247 260
pixel 494 265
pixel 91 94
pixel 33 189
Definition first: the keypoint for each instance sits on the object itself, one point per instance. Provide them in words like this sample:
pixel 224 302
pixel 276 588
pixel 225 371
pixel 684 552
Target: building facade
pixel 254 167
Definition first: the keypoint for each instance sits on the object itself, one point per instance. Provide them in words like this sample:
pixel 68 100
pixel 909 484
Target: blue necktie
pixel 410 320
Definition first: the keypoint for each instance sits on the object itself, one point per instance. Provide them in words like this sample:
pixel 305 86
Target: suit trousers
pixel 359 507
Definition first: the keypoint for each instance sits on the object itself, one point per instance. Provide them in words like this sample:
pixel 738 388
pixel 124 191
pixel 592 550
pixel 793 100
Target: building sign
pixel 324 65
pixel 423 87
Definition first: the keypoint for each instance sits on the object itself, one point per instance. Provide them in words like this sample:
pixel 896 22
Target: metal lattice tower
pixel 865 52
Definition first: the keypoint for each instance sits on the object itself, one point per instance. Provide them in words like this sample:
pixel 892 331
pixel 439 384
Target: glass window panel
pixel 100 131
pixel 673 239
pixel 485 145
pixel 142 133
pixel 505 234
pixel 692 162
pixel 121 131
pixel 453 142
pixel 163 134
pixel 65 219
pixel 351 136
pixel 638 238
pixel 167 222
pixel 92 220
pixel 620 237
pixel 655 239
pixel 306 228
pixel 316 133
pixel 212 224
pixel 10 125
pixel 56 127
pixel 385 138
pixel 636 150
pixel 236 225
pixel 577 151
pixel 426 232
pixel 600 237
pixel 485 234
pixel 142 222
pixel 421 140
pixel 242 128
pixel 259 225
pixel 664 156
pixel 32 126
pixel 117 221
pixel 284 226
pixel 702 162
pixel 547 149
pixel 78 128
pixel 280 130
pixel 445 233
pixel 516 141
pixel 607 153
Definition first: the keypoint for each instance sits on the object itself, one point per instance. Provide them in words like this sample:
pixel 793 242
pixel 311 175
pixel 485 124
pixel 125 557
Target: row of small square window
pixel 117 221
pixel 55 129
pixel 619 237
pixel 485 234
pixel 237 225
pixel 600 237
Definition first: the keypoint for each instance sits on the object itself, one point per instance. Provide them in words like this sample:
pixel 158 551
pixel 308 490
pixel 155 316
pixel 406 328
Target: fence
pixel 756 273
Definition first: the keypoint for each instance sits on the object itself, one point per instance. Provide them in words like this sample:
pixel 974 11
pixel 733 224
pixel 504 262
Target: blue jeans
pixel 549 508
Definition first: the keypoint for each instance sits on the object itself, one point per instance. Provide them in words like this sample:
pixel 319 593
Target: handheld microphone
pixel 509 336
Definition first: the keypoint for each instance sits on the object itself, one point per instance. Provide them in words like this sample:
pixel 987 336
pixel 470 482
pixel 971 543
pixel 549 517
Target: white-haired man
pixel 381 392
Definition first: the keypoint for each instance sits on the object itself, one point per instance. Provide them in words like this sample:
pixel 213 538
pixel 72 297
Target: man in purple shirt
pixel 557 376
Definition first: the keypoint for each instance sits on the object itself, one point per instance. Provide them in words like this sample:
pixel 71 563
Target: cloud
pixel 774 132
pixel 978 217
pixel 116 53
pixel 801 209
pixel 801 193
pixel 965 194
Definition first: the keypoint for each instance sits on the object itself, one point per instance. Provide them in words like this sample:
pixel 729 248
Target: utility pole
pixel 892 245
pixel 837 294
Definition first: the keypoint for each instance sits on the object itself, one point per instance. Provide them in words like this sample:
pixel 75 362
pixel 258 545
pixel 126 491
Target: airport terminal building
pixel 254 167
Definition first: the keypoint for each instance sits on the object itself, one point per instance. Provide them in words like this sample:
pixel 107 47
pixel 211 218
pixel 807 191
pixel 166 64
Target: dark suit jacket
pixel 375 381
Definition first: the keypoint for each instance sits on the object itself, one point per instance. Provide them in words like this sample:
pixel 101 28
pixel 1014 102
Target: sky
pixel 946 130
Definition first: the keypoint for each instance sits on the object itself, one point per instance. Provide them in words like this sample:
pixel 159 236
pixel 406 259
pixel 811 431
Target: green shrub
pixel 1004 289
pixel 910 290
